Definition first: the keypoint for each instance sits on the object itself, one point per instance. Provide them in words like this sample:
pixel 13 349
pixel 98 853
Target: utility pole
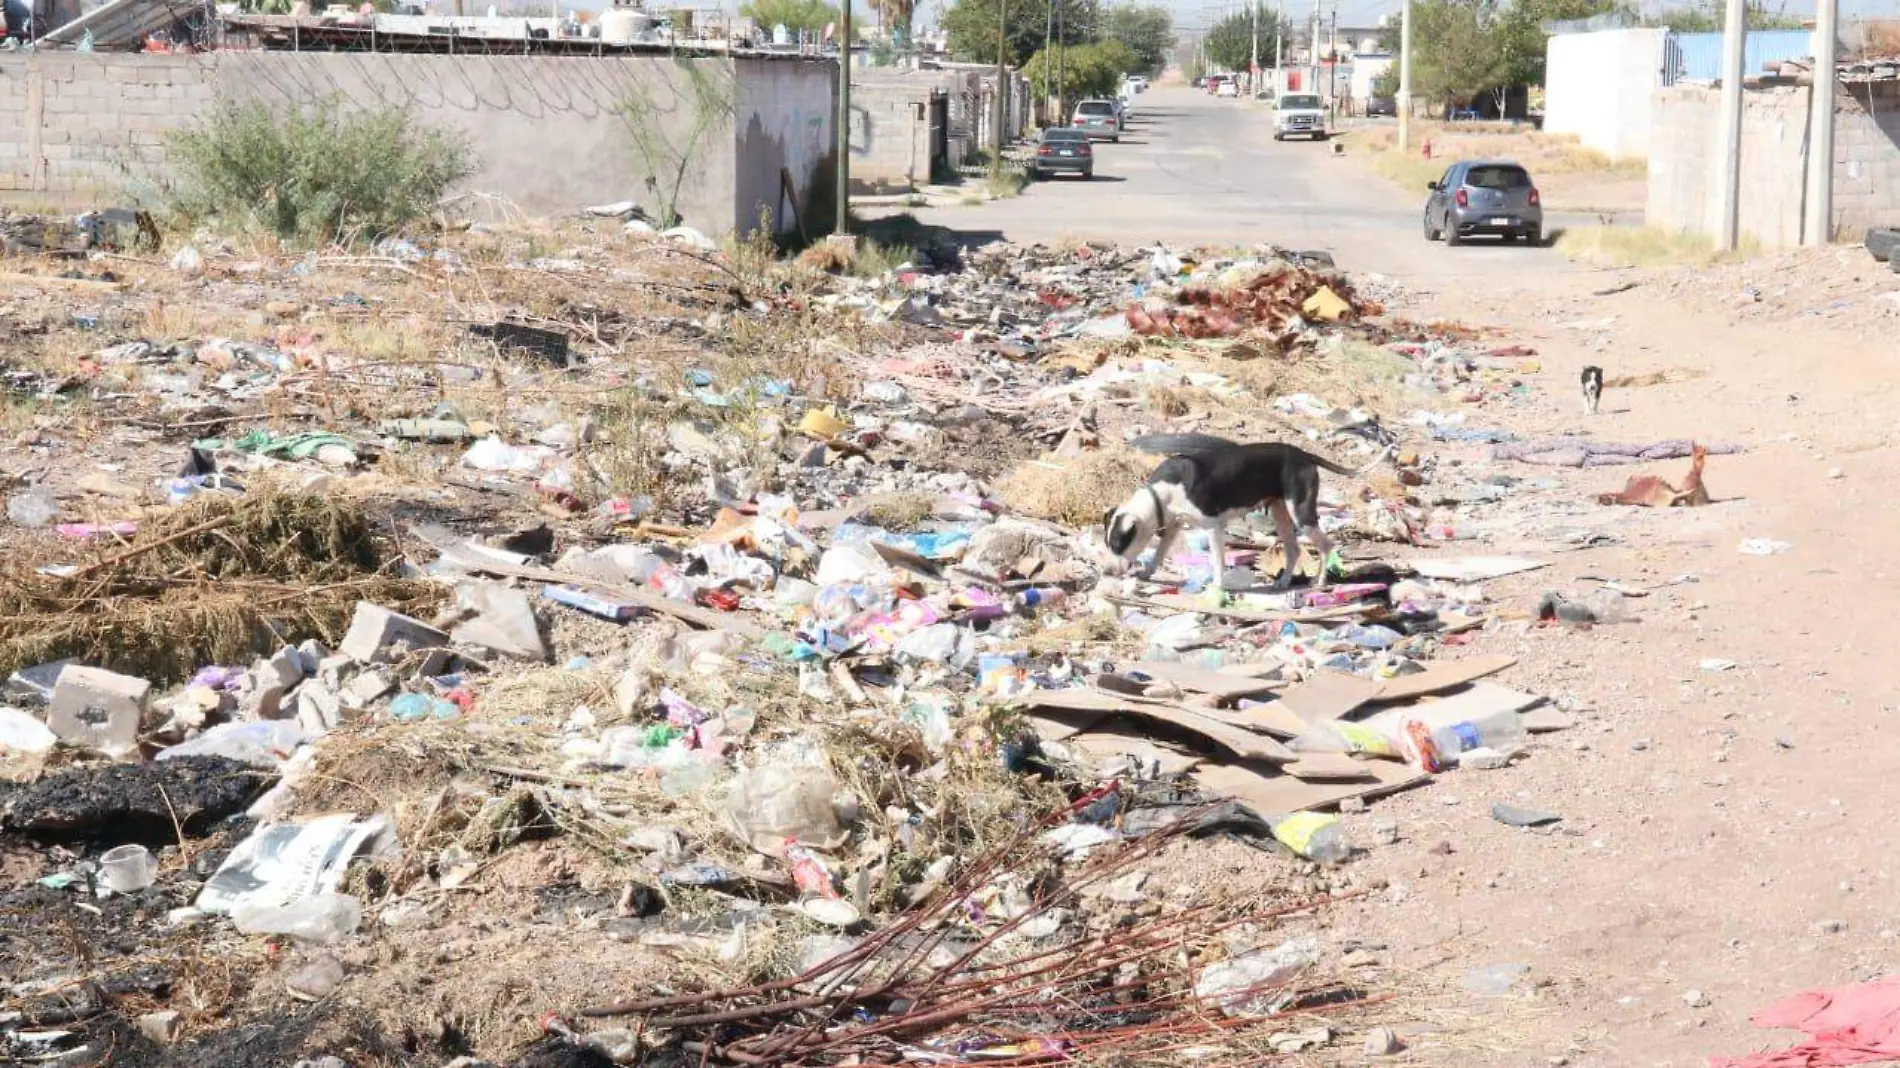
pixel 1728 170
pixel 842 224
pixel 1062 54
pixel 1820 222
pixel 1253 68
pixel 1002 82
pixel 1405 78
pixel 1279 46
pixel 1332 83
pixel 1312 52
pixel 1049 40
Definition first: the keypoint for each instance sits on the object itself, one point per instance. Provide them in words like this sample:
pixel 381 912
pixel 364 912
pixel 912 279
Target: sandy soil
pixel 1721 828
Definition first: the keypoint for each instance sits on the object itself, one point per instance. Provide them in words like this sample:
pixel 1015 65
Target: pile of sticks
pixel 943 983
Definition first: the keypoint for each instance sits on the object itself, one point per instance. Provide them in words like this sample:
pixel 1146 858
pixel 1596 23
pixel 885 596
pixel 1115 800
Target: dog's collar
pixel 1161 514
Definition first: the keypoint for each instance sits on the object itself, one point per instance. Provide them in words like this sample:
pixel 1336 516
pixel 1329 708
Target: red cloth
pixel 1846 1025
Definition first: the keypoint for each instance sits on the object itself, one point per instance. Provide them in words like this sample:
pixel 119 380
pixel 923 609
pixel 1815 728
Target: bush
pixel 312 176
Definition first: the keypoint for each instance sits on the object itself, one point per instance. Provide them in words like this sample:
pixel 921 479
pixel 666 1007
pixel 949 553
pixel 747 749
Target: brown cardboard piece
pixel 1329 767
pixel 1103 740
pixel 1441 675
pixel 1475 701
pixel 1265 790
pixel 1224 685
pixel 1335 695
pixel 1239 741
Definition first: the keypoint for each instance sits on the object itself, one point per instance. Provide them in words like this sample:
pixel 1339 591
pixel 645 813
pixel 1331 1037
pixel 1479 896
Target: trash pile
pixel 769 699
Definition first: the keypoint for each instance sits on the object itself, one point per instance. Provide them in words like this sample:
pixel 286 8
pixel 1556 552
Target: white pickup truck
pixel 1299 115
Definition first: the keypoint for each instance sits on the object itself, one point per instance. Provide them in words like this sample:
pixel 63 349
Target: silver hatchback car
pixel 1484 197
pixel 1100 119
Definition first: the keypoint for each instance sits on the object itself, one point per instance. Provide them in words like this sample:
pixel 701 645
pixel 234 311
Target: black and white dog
pixel 1592 388
pixel 1207 481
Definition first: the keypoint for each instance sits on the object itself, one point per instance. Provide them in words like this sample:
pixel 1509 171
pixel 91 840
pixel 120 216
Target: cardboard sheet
pixel 1475 701
pixel 1246 744
pixel 1224 685
pixel 1264 789
pixel 1328 695
pixel 1441 675
pixel 1330 767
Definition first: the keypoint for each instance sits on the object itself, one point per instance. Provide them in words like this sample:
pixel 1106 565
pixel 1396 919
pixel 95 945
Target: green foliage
pixel 1708 16
pixel 1461 48
pixel 1230 42
pixel 312 176
pixel 811 16
pixel 971 26
pixel 1087 71
pixel 703 94
pixel 1387 83
pixel 1145 30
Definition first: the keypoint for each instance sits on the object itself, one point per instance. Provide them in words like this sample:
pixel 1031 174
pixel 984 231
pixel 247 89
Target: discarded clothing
pixel 1481 435
pixel 1846 1025
pixel 1582 452
pixel 282 447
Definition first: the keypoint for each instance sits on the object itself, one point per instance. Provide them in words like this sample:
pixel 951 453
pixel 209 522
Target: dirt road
pixel 1726 791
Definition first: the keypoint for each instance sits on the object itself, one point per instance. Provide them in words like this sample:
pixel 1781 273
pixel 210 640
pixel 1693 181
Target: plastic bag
pixel 265 743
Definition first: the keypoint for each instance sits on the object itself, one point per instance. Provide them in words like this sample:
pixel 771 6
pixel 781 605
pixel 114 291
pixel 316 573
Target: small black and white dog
pixel 1592 388
pixel 1207 481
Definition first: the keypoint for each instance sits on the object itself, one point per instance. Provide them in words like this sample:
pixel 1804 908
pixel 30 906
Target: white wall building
pixel 1602 88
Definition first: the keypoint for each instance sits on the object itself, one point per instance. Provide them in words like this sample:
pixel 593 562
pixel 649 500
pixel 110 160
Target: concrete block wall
pixel 890 134
pixel 548 133
pixel 74 127
pixel 1684 165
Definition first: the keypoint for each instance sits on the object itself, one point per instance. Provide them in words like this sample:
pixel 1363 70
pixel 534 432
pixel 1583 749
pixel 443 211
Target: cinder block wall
pixel 1687 152
pixel 890 142
pixel 74 127
pixel 549 133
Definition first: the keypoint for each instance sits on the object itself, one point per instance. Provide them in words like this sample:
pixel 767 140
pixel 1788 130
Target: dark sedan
pixel 1063 150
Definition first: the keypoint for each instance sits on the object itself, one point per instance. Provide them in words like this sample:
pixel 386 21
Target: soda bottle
pixel 1436 746
pixel 1313 835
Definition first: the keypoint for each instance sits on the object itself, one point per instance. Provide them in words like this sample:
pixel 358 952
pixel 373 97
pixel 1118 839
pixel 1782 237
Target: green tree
pixel 971 26
pixel 1230 42
pixel 1387 83
pixel 1086 71
pixel 811 16
pixel 1145 30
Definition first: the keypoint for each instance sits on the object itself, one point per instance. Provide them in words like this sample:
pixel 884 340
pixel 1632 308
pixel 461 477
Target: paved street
pixel 1197 170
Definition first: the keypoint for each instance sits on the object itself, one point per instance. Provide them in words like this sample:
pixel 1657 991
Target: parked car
pixel 1215 81
pixel 1484 197
pixel 1382 105
pixel 1200 83
pixel 1099 119
pixel 1230 87
pixel 1139 82
pixel 1063 150
pixel 1299 115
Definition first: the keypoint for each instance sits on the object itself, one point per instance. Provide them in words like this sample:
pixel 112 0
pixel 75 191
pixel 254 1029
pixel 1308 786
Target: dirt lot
pixel 1571 178
pixel 1720 823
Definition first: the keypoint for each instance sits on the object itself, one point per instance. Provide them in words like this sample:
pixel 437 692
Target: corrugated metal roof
pixel 1697 57
pixel 121 24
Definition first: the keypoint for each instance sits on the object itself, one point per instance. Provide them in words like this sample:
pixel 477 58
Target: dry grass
pixel 1648 246
pixel 1074 490
pixel 1543 154
pixel 220 580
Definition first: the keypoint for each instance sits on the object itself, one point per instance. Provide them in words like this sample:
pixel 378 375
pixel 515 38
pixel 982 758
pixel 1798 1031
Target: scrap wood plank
pixel 1237 740
pixel 1266 790
pixel 647 599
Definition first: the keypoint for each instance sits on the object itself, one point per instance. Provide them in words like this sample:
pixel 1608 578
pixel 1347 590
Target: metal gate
pixel 939 131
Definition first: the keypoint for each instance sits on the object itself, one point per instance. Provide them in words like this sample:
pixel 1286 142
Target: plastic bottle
pixel 1435 746
pixel 322 918
pixel 669 582
pixel 34 508
pixel 1313 835
pixel 1048 597
pixel 1255 983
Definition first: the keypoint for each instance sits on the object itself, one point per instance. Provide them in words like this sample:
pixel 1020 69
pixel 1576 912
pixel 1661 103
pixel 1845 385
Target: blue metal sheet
pixel 1697 57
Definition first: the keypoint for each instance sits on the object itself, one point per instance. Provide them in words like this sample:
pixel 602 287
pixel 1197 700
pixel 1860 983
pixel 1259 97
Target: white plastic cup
pixel 127 869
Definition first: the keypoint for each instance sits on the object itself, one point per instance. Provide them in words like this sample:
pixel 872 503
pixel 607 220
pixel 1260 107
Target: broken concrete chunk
pixel 161 1027
pixel 360 691
pixel 271 681
pixel 378 635
pixel 319 709
pixel 24 743
pixel 501 620
pixel 98 709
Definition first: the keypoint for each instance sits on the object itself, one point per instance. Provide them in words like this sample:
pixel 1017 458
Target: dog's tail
pixel 1179 444
pixel 1341 469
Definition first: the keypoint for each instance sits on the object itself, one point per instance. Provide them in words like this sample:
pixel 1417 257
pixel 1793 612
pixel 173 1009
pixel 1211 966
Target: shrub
pixel 312 176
